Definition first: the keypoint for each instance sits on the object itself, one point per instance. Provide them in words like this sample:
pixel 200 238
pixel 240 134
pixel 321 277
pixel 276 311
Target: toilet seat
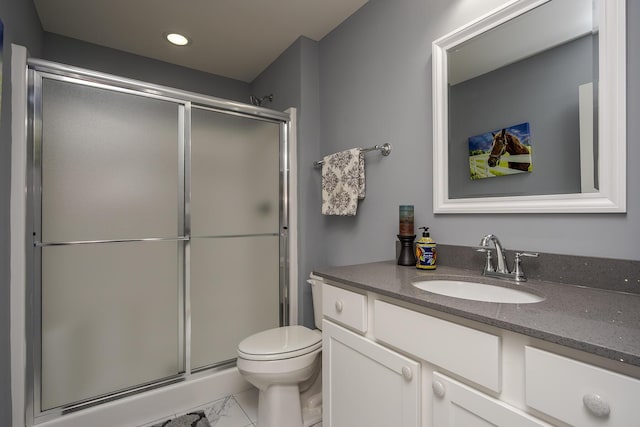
pixel 280 343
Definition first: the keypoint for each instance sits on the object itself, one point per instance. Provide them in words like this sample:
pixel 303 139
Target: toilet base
pixel 307 412
pixel 292 405
pixel 279 406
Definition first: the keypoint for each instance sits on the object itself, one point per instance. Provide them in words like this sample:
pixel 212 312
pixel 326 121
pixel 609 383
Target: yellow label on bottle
pixel 426 256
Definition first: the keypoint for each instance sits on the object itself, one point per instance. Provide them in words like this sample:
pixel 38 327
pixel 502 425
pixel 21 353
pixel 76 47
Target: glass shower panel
pixel 110 318
pixel 110 164
pixel 235 192
pixel 235 175
pixel 234 293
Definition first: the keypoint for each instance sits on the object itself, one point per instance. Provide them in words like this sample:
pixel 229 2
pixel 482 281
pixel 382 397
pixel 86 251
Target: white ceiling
pixel 231 38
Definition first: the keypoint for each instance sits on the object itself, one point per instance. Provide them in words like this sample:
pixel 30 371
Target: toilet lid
pixel 280 343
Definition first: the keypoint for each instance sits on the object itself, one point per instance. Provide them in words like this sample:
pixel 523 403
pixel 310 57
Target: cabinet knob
pixel 407 373
pixel 596 405
pixel 438 388
pixel 339 306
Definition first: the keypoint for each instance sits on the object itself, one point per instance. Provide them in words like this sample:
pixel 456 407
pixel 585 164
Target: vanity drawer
pixel 473 354
pixel 578 393
pixel 345 307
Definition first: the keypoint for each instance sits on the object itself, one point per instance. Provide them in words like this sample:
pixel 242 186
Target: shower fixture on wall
pixel 258 101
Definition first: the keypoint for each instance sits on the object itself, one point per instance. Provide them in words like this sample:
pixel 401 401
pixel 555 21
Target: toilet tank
pixel 316 294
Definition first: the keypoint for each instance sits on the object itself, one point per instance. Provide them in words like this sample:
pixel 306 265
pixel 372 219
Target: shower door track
pixel 152 90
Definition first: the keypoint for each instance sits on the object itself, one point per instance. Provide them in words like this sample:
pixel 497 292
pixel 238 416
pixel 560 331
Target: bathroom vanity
pixel 396 355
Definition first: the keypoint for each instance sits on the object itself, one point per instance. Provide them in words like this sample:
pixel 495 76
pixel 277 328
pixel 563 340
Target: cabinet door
pixel 455 404
pixel 365 384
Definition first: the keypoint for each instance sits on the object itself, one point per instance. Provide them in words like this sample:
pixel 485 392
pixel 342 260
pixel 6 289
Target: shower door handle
pixel 40 244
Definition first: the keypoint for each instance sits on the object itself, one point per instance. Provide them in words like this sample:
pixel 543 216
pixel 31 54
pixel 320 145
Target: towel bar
pixel 385 149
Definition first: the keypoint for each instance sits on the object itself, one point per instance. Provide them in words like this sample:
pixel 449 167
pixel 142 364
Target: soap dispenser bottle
pixel 426 251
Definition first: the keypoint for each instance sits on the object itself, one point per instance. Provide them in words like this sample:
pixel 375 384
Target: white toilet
pixel 284 364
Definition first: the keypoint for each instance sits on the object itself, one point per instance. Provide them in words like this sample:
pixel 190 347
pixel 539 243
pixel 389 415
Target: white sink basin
pixel 478 291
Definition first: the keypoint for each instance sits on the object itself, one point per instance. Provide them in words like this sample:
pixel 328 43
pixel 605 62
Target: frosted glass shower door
pixel 235 214
pixel 110 241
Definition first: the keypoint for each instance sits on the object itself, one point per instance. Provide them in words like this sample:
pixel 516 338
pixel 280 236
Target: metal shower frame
pixel 39 70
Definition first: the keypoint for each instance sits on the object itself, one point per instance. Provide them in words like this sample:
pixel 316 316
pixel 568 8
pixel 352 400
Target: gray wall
pixel 541 90
pixel 98 58
pixel 375 86
pixel 293 80
pixel 21 26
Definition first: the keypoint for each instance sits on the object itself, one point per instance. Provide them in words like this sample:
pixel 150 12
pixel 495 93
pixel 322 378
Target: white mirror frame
pixel 612 131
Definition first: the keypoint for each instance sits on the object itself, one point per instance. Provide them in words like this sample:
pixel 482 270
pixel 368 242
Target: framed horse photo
pixel 501 152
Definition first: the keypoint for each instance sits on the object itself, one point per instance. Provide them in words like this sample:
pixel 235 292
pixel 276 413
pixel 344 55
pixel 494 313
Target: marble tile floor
pixel 238 410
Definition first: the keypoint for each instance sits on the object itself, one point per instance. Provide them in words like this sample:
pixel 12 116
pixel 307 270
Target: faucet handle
pixel 488 265
pixel 518 273
pixel 529 254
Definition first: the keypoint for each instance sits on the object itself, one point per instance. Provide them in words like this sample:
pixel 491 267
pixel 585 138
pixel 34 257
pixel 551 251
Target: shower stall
pixel 157 235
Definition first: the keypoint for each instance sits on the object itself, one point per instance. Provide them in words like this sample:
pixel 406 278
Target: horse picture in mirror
pixel 506 151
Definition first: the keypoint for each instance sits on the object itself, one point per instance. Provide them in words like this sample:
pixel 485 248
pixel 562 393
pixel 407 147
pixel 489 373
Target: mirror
pixel 529 110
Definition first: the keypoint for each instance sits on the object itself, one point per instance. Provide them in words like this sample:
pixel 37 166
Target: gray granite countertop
pixel 602 322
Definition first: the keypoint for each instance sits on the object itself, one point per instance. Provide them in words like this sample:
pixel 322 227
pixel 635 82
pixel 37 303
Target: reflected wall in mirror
pixel 557 64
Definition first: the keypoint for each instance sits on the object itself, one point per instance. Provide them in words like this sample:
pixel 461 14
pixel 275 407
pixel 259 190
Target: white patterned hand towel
pixel 342 182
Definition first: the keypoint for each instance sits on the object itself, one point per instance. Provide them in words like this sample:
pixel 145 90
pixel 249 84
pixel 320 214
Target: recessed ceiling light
pixel 177 39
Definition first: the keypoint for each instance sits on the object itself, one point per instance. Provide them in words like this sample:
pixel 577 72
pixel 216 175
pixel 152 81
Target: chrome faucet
pixel 502 260
pixel 502 270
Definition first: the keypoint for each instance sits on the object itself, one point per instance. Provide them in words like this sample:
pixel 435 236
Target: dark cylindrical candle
pixel 406 220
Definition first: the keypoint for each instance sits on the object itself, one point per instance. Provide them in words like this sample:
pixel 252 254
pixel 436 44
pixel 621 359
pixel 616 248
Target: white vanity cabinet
pixel 380 356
